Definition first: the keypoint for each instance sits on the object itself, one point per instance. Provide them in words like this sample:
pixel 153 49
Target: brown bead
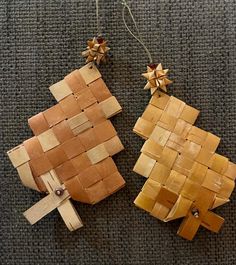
pixel 59 191
pixel 100 40
pixel 152 66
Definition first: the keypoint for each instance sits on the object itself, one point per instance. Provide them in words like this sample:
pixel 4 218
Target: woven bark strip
pixel 185 176
pixel 70 154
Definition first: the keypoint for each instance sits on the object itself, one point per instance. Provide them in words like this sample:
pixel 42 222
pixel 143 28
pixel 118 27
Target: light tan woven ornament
pixel 186 178
pixel 96 50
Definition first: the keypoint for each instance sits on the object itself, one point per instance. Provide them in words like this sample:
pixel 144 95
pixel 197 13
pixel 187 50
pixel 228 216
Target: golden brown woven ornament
pixel 96 50
pixel 185 176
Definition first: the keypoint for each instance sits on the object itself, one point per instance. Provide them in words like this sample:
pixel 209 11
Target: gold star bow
pixel 157 78
pixel 96 50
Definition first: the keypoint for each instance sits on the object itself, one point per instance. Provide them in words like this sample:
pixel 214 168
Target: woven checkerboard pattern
pixel 185 174
pixel 42 42
pixel 74 140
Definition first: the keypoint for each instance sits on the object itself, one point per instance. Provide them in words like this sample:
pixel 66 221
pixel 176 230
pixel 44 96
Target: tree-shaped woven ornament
pixel 70 154
pixel 186 178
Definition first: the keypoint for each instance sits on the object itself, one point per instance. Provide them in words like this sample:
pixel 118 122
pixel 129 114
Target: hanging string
pixel 99 32
pixel 138 37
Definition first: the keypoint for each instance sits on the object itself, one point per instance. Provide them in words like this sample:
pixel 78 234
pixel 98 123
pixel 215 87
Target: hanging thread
pixel 98 20
pixel 138 37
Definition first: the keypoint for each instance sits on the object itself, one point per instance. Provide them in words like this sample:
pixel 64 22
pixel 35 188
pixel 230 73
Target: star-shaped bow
pixel 157 78
pixel 96 50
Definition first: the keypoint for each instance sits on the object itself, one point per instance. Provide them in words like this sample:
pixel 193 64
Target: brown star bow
pixel 157 78
pixel 96 50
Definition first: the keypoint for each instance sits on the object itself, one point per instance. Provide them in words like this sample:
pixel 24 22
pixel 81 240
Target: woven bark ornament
pixel 186 178
pixel 96 50
pixel 70 155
